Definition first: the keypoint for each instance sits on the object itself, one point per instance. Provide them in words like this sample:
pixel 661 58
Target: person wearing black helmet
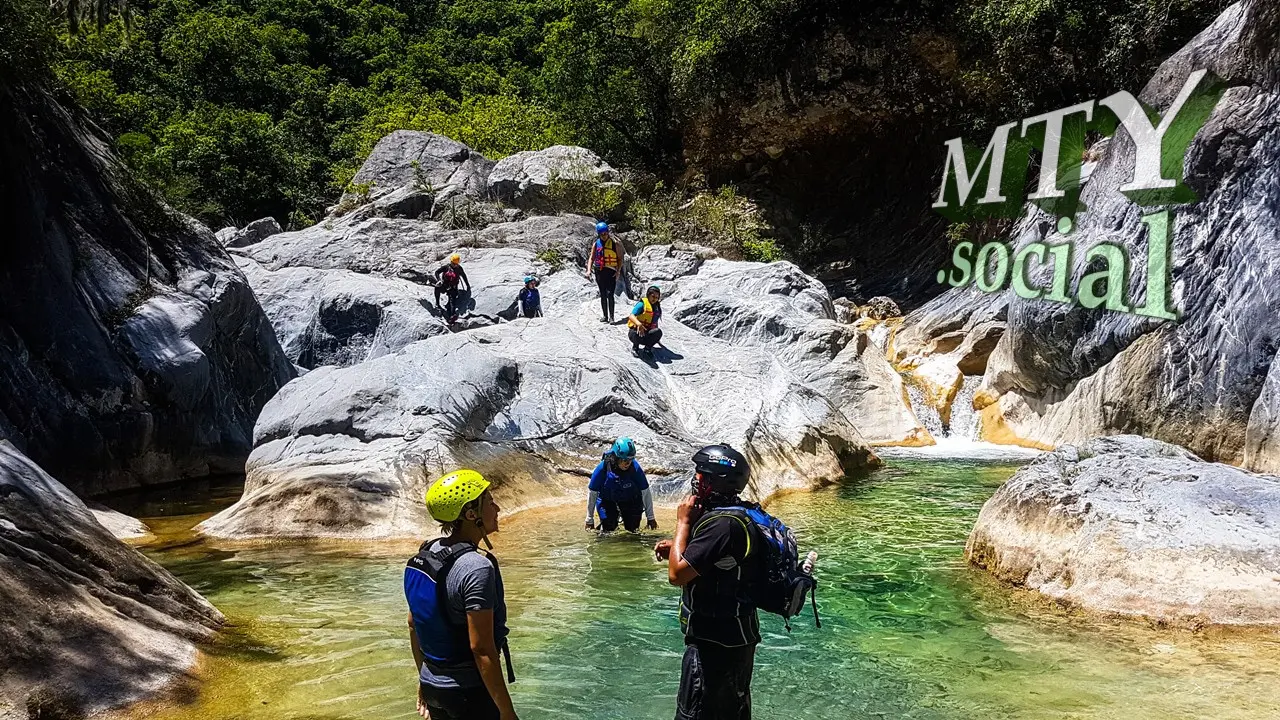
pixel 710 558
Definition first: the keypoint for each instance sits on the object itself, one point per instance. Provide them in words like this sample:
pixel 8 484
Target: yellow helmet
pixel 455 258
pixel 447 495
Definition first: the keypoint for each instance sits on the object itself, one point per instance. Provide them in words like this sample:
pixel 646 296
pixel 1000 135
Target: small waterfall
pixel 963 423
pixel 959 437
pixel 964 419
pixel 926 413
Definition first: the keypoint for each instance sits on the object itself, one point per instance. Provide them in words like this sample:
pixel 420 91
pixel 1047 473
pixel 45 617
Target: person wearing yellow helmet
pixel 457 610
pixel 448 278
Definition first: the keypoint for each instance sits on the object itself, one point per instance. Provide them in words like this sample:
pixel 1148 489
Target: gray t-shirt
pixel 473 583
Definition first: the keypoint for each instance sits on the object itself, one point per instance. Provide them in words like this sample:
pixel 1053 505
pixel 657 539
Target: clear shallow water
pixel 908 630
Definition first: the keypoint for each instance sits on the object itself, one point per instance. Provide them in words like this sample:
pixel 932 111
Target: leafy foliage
pixel 237 109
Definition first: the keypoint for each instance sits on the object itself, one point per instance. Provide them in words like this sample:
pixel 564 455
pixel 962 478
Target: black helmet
pixel 724 469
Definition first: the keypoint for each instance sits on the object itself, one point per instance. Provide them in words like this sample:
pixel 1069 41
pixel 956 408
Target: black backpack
pixel 782 583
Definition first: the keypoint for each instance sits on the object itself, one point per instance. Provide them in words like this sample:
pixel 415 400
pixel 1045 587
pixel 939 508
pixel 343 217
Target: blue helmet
pixel 602 227
pixel 530 278
pixel 623 449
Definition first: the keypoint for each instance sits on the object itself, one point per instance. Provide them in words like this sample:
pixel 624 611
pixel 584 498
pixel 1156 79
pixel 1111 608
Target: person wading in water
pixel 711 558
pixel 619 490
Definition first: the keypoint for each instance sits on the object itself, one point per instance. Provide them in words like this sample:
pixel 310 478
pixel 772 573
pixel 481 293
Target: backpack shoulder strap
pixel 736 512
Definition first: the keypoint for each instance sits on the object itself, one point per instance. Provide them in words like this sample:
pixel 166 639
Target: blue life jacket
pixel 530 299
pixel 444 643
pixel 621 485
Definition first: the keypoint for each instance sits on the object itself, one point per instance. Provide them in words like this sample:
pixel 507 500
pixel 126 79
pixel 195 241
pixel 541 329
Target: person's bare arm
pixel 484 648
pixel 679 571
pixel 418 659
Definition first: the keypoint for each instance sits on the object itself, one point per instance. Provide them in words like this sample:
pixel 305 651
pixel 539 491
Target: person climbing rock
pixel 457 612
pixel 643 321
pixel 711 559
pixel 529 299
pixel 605 260
pixel 619 490
pixel 448 277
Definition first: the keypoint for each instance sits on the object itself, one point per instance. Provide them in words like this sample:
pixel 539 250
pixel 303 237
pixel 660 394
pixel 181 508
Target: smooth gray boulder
pixel 256 231
pixel 339 317
pixel 350 290
pixel 779 308
pixel 1136 527
pixel 657 263
pixel 524 178
pixel 422 160
pixel 531 404
pixel 88 623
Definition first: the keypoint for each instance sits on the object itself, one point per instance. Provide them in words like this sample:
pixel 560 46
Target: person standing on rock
pixel 457 612
pixel 605 260
pixel 529 299
pixel 619 490
pixel 711 559
pixel 643 321
pixel 448 277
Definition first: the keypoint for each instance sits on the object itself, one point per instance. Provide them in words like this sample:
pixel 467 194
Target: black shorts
pixel 627 511
pixel 460 703
pixel 715 682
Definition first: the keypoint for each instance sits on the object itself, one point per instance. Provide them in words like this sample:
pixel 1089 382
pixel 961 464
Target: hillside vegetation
pixel 237 109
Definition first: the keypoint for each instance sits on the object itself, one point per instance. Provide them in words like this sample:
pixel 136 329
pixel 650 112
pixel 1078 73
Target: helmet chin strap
pixel 484 534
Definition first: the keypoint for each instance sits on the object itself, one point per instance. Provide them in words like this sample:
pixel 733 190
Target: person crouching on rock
pixel 605 259
pixel 643 321
pixel 619 490
pixel 448 277
pixel 529 299
pixel 457 612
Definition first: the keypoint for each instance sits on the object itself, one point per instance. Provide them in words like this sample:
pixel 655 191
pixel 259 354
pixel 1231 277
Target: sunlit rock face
pixel 1131 526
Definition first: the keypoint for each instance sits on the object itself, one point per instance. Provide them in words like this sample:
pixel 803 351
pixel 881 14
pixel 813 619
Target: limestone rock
pixel 352 290
pixel 531 404
pixel 339 317
pixel 256 231
pixel 121 526
pixel 664 263
pixel 1064 374
pixel 1131 526
pixel 87 620
pixel 523 178
pixel 882 308
pixel 131 348
pixel 425 161
pixel 779 308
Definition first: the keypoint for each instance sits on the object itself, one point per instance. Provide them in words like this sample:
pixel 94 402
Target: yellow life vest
pixel 648 318
pixel 606 254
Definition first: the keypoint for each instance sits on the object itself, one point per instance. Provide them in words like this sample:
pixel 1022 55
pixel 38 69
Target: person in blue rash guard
pixel 619 490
